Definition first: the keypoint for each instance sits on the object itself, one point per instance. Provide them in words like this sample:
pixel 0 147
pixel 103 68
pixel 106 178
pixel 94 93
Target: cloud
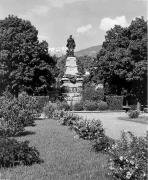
pixel 58 51
pixel 40 10
pixel 61 3
pixel 3 14
pixel 141 0
pixel 108 23
pixel 84 29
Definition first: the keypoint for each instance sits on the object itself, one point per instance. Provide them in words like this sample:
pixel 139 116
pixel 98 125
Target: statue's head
pixel 70 36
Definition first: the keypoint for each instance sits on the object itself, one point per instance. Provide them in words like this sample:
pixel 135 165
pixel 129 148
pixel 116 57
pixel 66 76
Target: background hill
pixel 91 51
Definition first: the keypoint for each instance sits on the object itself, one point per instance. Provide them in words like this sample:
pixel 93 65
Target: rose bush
pixel 128 157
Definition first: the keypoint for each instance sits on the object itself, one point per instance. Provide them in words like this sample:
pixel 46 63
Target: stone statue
pixel 71 46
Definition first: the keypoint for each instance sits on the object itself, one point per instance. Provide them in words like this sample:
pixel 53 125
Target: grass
pixel 141 119
pixel 65 158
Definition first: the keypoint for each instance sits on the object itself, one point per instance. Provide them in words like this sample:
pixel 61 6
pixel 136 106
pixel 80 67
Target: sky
pixel 86 20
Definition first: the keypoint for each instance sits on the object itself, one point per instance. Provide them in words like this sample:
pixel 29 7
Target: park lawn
pixel 65 158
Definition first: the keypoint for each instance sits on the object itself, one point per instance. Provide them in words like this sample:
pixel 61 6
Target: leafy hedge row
pixel 90 106
pixel 16 114
pixel 112 103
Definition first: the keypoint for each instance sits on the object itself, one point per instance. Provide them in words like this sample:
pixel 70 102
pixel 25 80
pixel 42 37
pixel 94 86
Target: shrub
pixel 78 106
pixel 11 119
pixel 115 102
pixel 16 113
pixel 28 108
pixel 133 114
pixel 90 105
pixel 128 157
pixel 68 119
pixel 102 106
pixel 133 107
pixel 14 153
pixel 90 93
pixel 49 109
pixel 42 101
pixel 89 129
pixel 64 105
pixel 103 143
pixel 27 102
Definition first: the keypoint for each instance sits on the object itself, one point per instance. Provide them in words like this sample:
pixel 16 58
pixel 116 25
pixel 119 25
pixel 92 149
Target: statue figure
pixel 71 46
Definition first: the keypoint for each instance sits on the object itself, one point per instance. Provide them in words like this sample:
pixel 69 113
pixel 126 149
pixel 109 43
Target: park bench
pixel 145 109
pixel 126 108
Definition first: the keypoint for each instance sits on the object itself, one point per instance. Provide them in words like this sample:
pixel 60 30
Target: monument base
pixel 72 82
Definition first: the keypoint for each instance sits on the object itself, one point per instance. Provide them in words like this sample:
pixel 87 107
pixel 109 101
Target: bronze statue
pixel 71 46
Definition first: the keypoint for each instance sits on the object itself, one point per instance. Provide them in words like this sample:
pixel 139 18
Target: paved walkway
pixel 113 126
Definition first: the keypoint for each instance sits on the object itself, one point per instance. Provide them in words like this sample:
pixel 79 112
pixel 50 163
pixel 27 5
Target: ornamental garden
pixel 55 118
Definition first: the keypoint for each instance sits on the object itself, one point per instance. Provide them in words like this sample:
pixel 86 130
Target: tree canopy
pixel 25 64
pixel 122 61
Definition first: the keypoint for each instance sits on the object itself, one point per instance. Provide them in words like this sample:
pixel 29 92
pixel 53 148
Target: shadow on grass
pixel 142 119
pixel 25 133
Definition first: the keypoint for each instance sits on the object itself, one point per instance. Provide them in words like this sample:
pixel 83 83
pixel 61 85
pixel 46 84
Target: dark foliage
pixel 90 105
pixel 102 106
pixel 104 143
pixel 25 64
pixel 78 106
pixel 122 61
pixel 14 153
pixel 92 94
pixel 115 102
pixel 64 105
pixel 133 114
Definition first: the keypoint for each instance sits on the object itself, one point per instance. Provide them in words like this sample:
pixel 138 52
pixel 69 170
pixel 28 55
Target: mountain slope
pixel 91 51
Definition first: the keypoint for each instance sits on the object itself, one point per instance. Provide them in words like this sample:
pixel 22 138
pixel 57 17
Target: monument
pixel 72 80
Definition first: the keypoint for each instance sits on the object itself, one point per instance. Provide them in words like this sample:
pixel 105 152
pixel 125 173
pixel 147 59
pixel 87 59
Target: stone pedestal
pixel 72 82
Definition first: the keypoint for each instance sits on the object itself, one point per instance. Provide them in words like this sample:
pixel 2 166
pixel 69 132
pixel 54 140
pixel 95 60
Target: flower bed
pixel 128 157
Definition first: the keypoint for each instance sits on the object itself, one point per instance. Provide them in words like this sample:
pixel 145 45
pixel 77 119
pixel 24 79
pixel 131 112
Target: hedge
pixel 115 102
pixel 42 101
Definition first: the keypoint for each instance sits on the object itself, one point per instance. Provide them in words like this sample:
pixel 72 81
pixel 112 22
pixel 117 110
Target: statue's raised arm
pixel 71 46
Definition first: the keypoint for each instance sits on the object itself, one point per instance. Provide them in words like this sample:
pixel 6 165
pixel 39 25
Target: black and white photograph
pixel 73 90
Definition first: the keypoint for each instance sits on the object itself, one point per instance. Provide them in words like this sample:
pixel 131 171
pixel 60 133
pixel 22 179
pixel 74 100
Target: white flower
pixel 121 158
pixel 128 175
pixel 127 160
pixel 120 169
pixel 111 167
pixel 132 162
pixel 76 137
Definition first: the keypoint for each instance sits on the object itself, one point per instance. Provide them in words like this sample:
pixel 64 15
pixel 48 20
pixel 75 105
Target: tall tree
pixel 122 61
pixel 25 64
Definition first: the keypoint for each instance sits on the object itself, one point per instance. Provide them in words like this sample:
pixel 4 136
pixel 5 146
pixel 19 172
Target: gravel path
pixel 113 126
